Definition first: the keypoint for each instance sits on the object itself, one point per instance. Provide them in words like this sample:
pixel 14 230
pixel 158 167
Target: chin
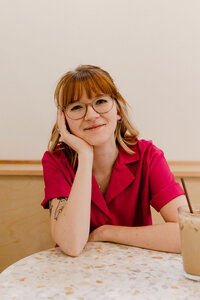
pixel 98 140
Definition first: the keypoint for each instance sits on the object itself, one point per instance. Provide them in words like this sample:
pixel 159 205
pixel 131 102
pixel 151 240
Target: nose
pixel 91 113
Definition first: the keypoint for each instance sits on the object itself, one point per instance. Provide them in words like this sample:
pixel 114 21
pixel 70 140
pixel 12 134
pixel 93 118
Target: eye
pixel 101 101
pixel 76 107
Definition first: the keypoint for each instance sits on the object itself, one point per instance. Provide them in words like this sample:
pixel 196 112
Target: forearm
pixel 72 227
pixel 161 237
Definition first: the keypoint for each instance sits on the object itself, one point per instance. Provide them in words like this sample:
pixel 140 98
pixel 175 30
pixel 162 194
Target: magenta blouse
pixel 137 181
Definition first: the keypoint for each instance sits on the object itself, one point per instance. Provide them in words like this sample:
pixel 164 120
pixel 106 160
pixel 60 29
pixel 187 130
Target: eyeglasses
pixel 77 110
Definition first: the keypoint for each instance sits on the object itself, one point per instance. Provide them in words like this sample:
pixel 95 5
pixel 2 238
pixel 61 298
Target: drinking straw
pixel 187 197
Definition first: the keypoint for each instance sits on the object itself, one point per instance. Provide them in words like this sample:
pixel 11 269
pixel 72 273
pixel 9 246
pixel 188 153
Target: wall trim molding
pixel 34 168
pixel 21 167
pixel 185 168
pixel 20 161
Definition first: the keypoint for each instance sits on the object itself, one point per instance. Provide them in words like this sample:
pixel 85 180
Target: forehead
pixel 84 97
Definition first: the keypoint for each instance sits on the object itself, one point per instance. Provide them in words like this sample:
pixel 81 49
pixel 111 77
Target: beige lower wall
pixel 24 224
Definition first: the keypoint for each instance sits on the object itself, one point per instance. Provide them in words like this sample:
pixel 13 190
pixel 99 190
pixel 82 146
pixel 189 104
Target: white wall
pixel 150 47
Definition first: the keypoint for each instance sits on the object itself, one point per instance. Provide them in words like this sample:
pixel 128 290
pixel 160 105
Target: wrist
pixel 85 156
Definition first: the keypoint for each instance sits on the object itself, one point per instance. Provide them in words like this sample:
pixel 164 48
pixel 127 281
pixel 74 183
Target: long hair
pixel 93 80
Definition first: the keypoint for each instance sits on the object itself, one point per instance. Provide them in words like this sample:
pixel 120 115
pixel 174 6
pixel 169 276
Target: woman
pixel 100 179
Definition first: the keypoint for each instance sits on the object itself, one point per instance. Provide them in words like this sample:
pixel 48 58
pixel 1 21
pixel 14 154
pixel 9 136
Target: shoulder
pixel 145 147
pixel 53 156
pixel 57 158
pixel 145 150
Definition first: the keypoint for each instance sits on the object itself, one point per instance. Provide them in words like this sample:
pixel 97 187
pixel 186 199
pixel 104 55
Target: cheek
pixel 72 126
pixel 114 118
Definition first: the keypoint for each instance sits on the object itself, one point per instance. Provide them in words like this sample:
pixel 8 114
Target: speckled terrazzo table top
pixel 103 271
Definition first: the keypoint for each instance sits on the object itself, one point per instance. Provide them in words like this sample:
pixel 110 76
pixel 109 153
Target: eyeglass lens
pixel 78 110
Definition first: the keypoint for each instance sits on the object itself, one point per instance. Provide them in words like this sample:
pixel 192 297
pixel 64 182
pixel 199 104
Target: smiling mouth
pixel 94 127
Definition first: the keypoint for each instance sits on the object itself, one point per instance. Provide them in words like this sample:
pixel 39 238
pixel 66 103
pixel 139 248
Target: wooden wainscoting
pixel 24 224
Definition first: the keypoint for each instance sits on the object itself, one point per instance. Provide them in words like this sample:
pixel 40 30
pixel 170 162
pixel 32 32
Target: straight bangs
pixel 71 86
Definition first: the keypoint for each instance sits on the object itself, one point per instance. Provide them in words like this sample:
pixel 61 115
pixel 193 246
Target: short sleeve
pixel 57 178
pixel 163 186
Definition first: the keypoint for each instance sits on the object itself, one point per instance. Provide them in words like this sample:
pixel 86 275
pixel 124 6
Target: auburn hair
pixel 93 80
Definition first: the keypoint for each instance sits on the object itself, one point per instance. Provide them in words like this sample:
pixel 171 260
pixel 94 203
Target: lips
pixel 94 126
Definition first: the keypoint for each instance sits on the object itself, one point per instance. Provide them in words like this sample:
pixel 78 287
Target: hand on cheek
pixel 72 140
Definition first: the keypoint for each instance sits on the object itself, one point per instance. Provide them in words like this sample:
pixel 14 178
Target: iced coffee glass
pixel 190 241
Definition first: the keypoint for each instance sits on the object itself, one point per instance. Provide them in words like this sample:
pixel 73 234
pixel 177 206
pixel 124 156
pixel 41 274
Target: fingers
pixel 76 143
pixel 61 121
pixel 59 116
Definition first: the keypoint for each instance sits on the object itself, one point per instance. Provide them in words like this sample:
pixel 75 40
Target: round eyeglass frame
pixel 88 104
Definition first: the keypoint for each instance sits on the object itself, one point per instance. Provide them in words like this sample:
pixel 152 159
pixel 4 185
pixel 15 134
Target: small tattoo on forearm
pixel 60 206
pixel 50 206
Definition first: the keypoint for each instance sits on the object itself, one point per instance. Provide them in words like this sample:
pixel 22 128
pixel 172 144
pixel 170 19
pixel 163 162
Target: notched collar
pixel 126 158
pixel 98 199
pixel 121 178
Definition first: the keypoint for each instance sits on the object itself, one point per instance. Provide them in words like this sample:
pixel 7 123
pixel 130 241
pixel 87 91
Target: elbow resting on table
pixel 72 250
pixel 71 247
